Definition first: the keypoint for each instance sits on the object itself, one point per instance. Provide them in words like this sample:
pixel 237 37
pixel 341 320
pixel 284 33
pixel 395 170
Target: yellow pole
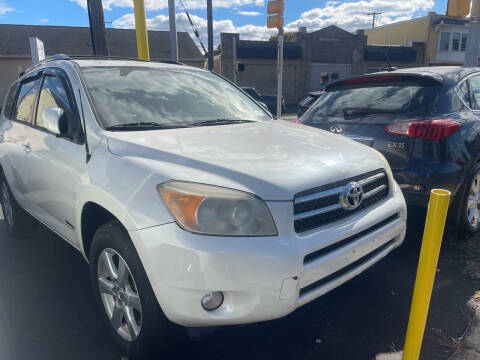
pixel 427 267
pixel 141 29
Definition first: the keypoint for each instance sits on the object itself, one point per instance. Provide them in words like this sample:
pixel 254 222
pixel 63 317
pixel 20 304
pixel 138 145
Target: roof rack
pixel 99 57
pixel 47 59
pixel 108 57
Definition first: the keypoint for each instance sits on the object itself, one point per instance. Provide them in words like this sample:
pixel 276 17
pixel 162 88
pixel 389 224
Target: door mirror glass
pixel 52 120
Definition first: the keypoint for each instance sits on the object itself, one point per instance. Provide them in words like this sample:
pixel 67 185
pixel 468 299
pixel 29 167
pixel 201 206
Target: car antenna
pixel 87 150
pixel 390 67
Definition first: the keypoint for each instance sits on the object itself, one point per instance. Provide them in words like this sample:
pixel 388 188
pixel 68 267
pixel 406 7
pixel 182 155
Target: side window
pixel 10 102
pixel 26 100
pixel 464 92
pixel 475 91
pixel 56 93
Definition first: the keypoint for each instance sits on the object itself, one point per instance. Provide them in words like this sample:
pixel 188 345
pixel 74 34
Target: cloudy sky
pixel 248 17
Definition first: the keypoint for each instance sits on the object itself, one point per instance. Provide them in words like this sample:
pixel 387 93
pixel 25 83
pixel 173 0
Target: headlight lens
pixel 214 210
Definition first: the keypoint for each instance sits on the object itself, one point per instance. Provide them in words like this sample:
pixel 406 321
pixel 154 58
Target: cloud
pixel 352 15
pixel 349 15
pixel 44 20
pixel 160 22
pixel 163 4
pixel 249 13
pixel 4 8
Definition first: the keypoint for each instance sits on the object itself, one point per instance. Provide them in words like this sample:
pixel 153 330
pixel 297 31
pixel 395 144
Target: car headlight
pixel 214 210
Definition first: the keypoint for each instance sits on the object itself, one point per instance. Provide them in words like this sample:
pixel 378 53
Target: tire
pixel 131 296
pixel 468 209
pixel 17 220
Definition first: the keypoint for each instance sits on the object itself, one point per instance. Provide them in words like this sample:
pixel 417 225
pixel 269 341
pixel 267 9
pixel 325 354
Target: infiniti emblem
pixel 336 129
pixel 352 195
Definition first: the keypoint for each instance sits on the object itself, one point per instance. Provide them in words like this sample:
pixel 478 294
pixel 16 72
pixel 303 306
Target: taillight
pixel 424 129
pixel 297 120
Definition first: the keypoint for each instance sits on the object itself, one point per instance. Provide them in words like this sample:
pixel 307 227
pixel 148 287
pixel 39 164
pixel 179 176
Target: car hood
pixel 273 159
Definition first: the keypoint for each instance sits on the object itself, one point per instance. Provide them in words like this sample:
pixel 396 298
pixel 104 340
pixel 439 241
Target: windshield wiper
pixel 220 122
pixel 142 126
pixel 351 111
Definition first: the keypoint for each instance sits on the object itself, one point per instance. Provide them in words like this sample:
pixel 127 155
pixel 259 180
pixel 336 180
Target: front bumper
pixel 264 278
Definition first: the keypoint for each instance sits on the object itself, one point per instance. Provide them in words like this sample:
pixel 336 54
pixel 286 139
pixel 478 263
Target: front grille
pixel 321 206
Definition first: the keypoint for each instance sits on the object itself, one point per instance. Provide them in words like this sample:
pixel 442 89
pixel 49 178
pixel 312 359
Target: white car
pixel 187 199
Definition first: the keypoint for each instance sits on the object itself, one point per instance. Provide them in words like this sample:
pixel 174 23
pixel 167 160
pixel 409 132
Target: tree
pixel 218 50
pixel 289 36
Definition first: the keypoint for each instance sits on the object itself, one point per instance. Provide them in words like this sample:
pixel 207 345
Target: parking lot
pixel 47 310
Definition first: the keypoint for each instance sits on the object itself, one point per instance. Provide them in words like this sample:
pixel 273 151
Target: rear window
pixel 365 96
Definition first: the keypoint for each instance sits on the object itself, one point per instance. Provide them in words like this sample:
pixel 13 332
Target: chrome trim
pixel 319 195
pixel 374 191
pixel 371 179
pixel 337 191
pixel 316 212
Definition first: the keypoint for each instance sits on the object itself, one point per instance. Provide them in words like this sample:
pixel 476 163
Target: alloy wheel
pixel 119 294
pixel 473 202
pixel 7 204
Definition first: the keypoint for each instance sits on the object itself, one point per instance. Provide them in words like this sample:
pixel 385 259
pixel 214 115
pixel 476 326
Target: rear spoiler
pixel 427 78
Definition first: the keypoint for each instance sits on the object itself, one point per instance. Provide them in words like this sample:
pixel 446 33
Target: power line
pixel 194 28
pixel 373 14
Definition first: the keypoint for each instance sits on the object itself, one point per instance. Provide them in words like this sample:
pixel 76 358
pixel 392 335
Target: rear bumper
pixel 264 278
pixel 431 175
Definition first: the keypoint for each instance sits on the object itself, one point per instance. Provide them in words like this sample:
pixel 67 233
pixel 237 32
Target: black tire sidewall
pixel 22 222
pixel 154 328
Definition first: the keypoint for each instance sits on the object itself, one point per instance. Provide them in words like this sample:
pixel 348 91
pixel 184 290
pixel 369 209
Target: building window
pixel 456 42
pixel 444 41
pixel 463 44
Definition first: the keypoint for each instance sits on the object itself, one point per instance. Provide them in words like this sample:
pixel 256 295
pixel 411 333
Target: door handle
pixel 27 148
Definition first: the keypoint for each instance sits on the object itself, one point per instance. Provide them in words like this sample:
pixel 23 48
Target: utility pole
pixel 97 27
pixel 275 8
pixel 234 60
pixel 210 34
pixel 280 73
pixel 473 40
pixel 373 14
pixel 141 29
pixel 173 31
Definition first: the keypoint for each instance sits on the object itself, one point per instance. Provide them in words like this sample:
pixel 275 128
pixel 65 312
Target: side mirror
pixel 265 107
pixel 52 120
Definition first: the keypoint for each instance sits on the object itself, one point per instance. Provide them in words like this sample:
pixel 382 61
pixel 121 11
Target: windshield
pixel 370 98
pixel 167 97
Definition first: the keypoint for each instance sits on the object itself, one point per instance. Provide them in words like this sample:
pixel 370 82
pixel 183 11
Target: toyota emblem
pixel 352 196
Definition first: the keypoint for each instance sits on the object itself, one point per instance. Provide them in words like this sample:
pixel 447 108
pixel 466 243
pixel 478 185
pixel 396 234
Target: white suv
pixel 188 200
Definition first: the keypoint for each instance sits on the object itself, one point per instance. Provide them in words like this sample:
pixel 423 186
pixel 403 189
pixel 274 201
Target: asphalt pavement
pixel 47 311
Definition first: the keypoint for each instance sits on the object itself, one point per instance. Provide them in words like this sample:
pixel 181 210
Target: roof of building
pixel 267 50
pixel 451 21
pixel 77 41
pixel 393 53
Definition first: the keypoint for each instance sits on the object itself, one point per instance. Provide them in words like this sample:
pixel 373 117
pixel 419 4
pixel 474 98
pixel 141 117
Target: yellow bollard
pixel 427 267
pixel 141 29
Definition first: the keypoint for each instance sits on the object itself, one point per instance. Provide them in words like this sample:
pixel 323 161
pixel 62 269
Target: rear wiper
pixel 220 122
pixel 351 111
pixel 142 125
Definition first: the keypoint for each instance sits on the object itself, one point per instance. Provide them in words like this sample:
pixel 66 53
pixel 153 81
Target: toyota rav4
pixel 188 200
